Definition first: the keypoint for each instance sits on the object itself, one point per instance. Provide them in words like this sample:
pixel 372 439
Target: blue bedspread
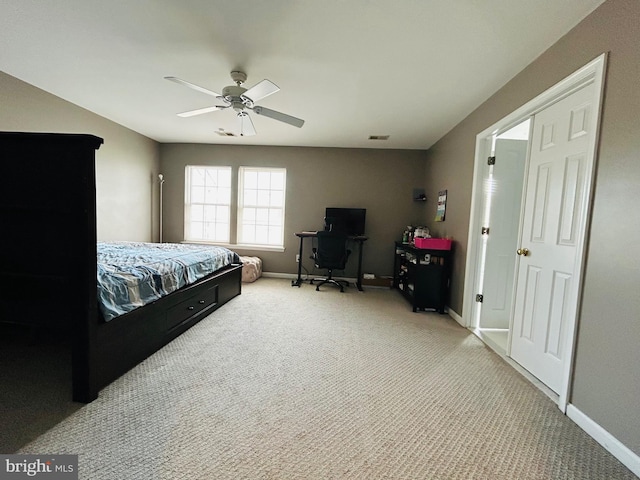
pixel 132 274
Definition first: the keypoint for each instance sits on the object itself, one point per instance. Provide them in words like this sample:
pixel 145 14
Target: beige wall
pixel 126 164
pixel 607 380
pixel 382 181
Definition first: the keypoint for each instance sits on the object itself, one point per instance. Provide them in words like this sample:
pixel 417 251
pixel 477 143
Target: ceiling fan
pixel 241 99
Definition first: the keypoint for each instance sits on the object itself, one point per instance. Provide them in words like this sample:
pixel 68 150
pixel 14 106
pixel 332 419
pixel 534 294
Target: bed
pixel 148 294
pixel 49 264
pixel 131 275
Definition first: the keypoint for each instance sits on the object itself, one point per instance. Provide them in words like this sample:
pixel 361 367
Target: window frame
pixel 274 205
pixel 189 203
pixel 234 208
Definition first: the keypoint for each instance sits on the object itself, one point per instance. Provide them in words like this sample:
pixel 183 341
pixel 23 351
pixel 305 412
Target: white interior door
pixel 505 181
pixel 555 201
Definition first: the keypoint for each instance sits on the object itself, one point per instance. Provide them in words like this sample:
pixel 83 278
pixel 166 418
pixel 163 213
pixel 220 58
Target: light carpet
pixel 290 383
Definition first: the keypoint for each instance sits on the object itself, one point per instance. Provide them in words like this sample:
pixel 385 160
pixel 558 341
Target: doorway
pixel 503 185
pixel 499 271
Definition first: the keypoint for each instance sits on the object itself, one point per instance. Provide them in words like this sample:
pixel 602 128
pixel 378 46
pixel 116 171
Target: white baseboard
pixel 628 458
pixel 294 276
pixel 455 316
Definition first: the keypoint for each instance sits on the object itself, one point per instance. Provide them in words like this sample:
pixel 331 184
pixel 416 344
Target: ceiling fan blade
pixel 193 86
pixel 282 117
pixel 246 125
pixel 261 90
pixel 200 111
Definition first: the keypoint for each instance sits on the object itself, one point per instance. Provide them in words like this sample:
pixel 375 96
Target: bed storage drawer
pixel 195 304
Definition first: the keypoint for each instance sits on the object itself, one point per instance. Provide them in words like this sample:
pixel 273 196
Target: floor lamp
pixel 161 180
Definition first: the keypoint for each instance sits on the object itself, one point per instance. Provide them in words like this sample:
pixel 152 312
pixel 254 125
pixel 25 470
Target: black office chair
pixel 331 254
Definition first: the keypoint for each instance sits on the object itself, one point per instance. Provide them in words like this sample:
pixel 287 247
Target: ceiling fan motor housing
pixel 232 94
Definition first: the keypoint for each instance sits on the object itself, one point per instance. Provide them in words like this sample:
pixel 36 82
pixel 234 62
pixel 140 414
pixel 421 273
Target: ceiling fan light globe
pixel 237 106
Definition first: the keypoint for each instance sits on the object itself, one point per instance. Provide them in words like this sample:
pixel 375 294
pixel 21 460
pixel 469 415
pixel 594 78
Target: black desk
pixel 359 240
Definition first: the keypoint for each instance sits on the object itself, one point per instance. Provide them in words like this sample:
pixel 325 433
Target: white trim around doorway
pixel 593 72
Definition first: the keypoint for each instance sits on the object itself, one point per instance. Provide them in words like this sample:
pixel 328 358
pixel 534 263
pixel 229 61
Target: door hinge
pixel 485 230
pixel 491 161
pixel 479 298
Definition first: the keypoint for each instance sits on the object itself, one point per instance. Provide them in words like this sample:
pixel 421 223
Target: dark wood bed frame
pixel 48 262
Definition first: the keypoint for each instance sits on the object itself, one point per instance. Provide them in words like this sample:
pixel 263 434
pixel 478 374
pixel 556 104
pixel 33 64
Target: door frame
pixel 593 72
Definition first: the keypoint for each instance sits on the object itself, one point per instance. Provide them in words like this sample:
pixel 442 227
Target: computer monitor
pixel 349 220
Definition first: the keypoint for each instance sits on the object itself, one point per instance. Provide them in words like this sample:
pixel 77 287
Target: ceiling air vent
pixel 223 133
pixel 378 137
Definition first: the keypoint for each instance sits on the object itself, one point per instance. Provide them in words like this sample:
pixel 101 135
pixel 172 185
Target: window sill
pixel 239 247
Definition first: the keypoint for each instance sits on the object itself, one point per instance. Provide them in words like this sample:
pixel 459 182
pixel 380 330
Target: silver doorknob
pixel 523 251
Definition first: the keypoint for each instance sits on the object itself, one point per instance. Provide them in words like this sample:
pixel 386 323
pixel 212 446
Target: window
pixel 207 215
pixel 261 199
pixel 209 211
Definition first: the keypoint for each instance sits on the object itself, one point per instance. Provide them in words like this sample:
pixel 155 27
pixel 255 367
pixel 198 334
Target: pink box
pixel 433 243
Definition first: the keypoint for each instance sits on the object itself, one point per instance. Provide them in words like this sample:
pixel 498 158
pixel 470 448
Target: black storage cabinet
pixel 422 276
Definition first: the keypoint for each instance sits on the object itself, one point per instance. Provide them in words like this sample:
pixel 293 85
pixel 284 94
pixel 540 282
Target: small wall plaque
pixel 442 206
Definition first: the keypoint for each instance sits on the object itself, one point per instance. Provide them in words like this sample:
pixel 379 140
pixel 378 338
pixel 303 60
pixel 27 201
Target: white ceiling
pixel 411 69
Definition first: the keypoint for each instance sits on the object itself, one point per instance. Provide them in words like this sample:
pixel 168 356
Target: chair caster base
pixel 338 283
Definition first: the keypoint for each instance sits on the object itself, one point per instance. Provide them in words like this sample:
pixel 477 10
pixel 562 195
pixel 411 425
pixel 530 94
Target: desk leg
pixel 359 279
pixel 298 281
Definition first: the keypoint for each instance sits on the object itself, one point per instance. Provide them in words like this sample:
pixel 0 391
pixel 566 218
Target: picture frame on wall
pixel 442 206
